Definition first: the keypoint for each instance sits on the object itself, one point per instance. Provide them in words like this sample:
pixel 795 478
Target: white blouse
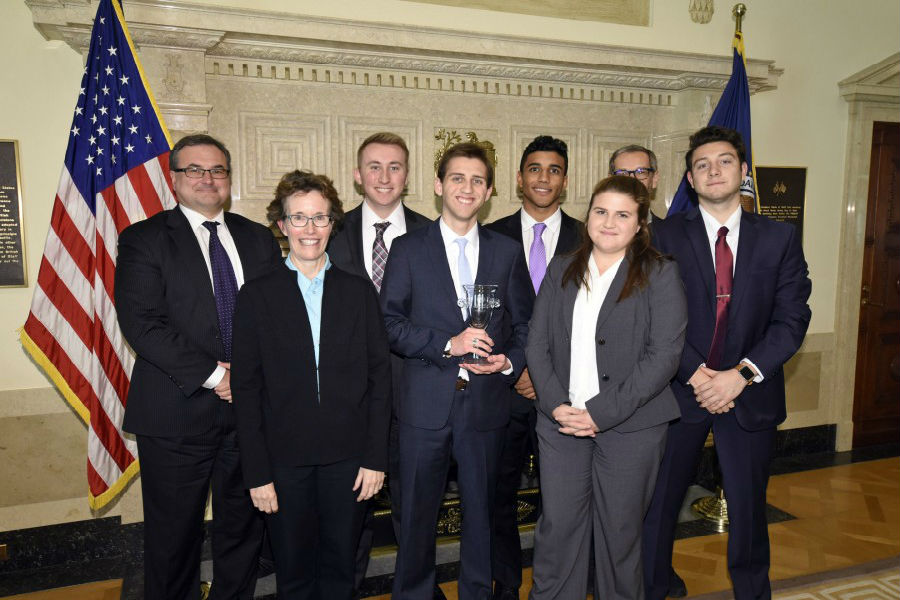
pixel 583 381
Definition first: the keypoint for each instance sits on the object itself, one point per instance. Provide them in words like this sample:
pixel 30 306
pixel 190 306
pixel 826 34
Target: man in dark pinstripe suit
pixel 177 276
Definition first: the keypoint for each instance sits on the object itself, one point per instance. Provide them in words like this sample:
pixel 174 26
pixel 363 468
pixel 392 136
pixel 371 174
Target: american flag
pixel 116 172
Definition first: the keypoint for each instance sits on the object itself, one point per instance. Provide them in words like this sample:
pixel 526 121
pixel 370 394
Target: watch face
pixel 747 373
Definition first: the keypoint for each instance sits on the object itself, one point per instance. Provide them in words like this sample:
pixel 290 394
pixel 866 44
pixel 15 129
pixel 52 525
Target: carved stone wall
pixel 285 92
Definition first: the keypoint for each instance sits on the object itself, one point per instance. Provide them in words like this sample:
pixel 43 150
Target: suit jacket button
pixel 601 341
pixel 604 377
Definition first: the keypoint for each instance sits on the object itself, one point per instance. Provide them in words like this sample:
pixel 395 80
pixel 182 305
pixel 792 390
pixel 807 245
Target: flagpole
pixel 739 10
pixel 715 507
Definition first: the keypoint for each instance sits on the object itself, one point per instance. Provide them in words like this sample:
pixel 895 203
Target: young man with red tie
pixel 747 287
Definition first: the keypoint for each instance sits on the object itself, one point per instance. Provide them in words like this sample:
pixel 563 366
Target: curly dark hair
pixel 304 181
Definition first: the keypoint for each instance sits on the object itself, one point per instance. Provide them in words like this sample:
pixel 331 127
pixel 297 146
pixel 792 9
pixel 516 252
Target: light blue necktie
pixel 462 267
pixel 463 270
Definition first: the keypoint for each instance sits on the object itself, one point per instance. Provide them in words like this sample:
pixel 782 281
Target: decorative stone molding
pixel 187 38
pixel 878 83
pixel 238 34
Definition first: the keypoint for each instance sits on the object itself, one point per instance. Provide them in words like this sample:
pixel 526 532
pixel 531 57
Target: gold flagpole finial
pixel 738 11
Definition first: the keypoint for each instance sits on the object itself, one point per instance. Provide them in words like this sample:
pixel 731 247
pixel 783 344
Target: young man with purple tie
pixel 543 231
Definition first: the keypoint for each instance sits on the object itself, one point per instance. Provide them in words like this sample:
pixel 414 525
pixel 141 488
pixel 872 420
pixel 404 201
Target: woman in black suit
pixel 604 340
pixel 311 385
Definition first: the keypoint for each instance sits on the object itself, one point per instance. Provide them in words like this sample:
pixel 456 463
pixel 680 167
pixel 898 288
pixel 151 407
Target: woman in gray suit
pixel 604 341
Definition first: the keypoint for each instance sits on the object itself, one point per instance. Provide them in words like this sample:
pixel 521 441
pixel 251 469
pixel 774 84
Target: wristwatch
pixel 746 372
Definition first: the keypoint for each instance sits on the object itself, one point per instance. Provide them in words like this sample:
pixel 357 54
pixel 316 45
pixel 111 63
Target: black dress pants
pixel 316 530
pixel 506 549
pixel 176 475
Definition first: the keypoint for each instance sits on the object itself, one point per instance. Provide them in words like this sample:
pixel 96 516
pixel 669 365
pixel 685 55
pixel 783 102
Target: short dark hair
pixel 466 150
pixel 197 139
pixel 546 143
pixel 633 148
pixel 383 137
pixel 714 133
pixel 304 181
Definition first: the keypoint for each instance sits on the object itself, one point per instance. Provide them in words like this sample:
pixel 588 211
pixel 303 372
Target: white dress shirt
pixel 584 383
pixel 550 234
pixel 452 249
pixel 733 223
pixel 397 219
pixel 196 221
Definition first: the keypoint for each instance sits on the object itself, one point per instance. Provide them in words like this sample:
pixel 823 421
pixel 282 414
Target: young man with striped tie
pixel 361 247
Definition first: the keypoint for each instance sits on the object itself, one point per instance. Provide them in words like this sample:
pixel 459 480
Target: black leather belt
pixel 461 384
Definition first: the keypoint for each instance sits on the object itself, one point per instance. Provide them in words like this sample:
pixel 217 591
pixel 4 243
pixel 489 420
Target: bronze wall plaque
pixel 782 194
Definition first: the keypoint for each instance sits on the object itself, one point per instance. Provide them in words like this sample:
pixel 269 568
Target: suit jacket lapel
pixel 288 298
pixel 514 226
pixel 244 243
pixel 192 259
pixel 485 270
pixel 612 296
pixel 354 238
pixel 696 233
pixel 193 268
pixel 744 262
pixel 568 235
pixel 569 294
pixel 437 256
pixel 413 220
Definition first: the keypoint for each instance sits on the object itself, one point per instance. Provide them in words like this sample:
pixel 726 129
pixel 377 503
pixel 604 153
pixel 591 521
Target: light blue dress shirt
pixel 311 290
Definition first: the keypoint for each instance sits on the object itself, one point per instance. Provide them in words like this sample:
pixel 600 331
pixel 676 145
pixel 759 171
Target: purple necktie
pixel 224 285
pixel 724 262
pixel 537 257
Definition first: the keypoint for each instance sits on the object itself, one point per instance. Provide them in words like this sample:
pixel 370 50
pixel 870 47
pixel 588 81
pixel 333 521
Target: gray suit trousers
pixel 598 486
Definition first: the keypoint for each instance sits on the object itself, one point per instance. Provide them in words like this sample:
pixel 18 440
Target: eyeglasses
pixel 641 173
pixel 198 173
pixel 303 220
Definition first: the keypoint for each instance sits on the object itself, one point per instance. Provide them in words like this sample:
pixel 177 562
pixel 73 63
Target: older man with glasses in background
pixel 638 162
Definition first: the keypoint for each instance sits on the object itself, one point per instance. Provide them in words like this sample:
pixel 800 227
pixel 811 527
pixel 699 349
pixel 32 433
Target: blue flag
pixel 733 111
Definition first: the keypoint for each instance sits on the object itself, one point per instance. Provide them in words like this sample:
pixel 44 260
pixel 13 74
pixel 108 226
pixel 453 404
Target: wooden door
pixel 876 403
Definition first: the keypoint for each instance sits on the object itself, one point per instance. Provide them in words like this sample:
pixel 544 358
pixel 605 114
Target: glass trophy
pixel 481 300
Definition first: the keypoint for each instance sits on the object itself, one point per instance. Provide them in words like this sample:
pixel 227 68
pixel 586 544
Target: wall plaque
pixel 782 194
pixel 12 232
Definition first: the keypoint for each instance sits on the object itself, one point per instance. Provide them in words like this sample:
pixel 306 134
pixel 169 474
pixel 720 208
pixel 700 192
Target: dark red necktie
pixel 724 262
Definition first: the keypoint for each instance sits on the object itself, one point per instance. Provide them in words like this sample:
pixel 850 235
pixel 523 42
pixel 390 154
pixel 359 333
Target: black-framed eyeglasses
pixel 302 220
pixel 198 173
pixel 641 173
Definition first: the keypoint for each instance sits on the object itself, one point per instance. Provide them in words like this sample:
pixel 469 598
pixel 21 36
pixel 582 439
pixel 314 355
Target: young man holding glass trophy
pixel 454 404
